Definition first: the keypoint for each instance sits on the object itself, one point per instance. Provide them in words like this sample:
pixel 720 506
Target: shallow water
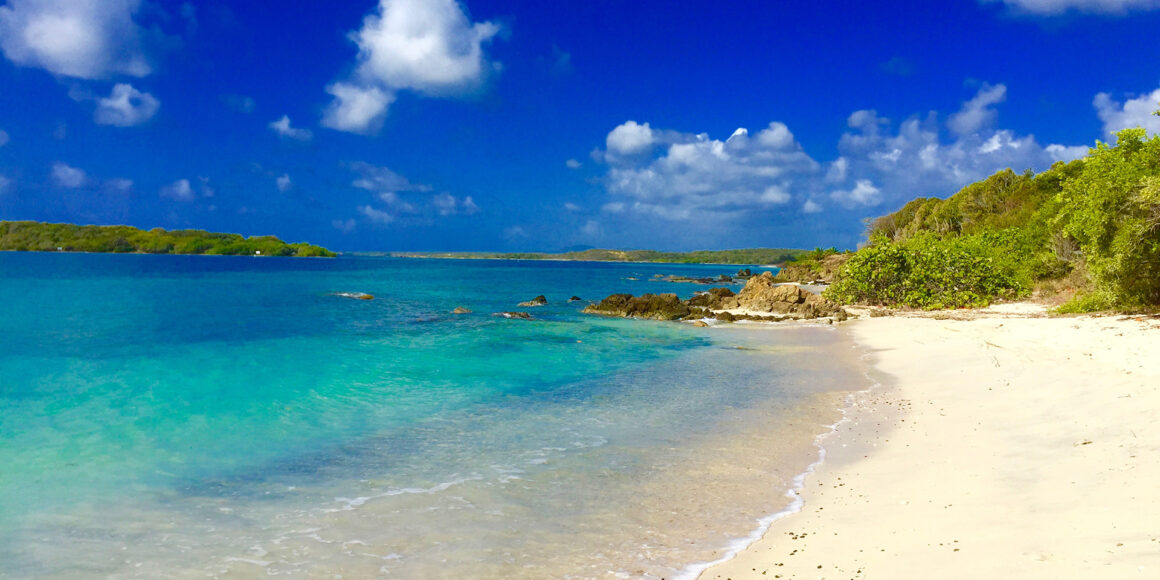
pixel 172 416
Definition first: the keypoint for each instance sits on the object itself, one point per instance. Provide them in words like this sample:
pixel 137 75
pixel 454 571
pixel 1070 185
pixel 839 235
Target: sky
pixel 529 125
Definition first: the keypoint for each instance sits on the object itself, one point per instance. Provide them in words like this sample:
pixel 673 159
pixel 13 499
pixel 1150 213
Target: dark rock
pixel 711 298
pixel 537 301
pixel 655 306
pixel 575 299
pixel 461 310
pixel 726 317
pixel 841 315
pixel 744 274
pixel 519 315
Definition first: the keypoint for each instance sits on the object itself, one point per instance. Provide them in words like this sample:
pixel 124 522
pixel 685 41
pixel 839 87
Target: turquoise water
pixel 182 416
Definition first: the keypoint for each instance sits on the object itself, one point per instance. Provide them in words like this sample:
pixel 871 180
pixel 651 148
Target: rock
pixel 701 324
pixel 726 317
pixel 461 310
pixel 712 298
pixel 655 306
pixel 575 299
pixel 537 301
pixel 761 294
pixel 355 295
pixel 519 315
pixel 880 312
pixel 841 316
pixel 744 274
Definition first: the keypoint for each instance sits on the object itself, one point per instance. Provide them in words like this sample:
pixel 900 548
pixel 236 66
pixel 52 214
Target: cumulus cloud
pixel 283 182
pixel 864 193
pixel 356 109
pixel 686 175
pixel 3 137
pixel 978 113
pixel 430 47
pixel 88 39
pixel 283 128
pixel 1056 7
pixel 1137 112
pixel 569 206
pixel 679 176
pixel 375 215
pixel 68 177
pixel 179 190
pixel 125 106
pixel 629 138
pixel 571 163
pixel 382 180
pixel 5 183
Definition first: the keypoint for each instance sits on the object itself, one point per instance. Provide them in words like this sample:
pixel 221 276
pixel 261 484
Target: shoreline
pixel 1043 414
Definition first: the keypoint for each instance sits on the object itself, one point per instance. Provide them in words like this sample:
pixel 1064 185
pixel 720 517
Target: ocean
pixel 233 417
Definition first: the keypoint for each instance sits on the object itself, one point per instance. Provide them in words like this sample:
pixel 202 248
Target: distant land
pixel 30 236
pixel 746 256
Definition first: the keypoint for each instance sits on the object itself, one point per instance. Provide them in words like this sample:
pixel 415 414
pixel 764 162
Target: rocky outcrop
pixel 519 315
pixel 761 300
pixel 537 301
pixel 761 294
pixel 461 310
pixel 575 299
pixel 654 306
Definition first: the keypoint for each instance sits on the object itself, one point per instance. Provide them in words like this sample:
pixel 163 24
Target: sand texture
pixel 1001 444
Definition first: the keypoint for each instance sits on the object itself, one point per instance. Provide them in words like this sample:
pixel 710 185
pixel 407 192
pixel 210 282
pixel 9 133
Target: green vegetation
pixel 31 236
pixel 747 256
pixel 1092 225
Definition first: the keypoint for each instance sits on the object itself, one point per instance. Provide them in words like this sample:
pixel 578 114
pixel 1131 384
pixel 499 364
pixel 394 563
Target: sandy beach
pixel 1000 444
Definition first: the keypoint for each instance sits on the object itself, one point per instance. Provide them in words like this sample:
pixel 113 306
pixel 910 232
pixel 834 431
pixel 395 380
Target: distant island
pixel 30 236
pixel 746 256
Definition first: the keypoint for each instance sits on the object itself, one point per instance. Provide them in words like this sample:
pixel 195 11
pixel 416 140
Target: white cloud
pixel 629 138
pixel 283 182
pixel 811 207
pixel 571 206
pixel 119 185
pixel 3 137
pixel 1137 112
pixel 125 106
pixel 591 228
pixel 571 163
pixel 356 109
pixel 66 176
pixel 690 176
pixel 447 204
pixel 1066 153
pixel 375 215
pixel 179 190
pixel 1056 7
pixel 344 226
pixel 426 46
pixel 4 184
pixel 977 113
pixel 86 39
pixel 283 128
pixel 383 180
pixel 864 193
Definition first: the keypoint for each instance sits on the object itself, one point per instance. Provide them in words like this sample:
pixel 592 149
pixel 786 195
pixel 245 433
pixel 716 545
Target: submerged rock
pixel 461 310
pixel 355 295
pixel 537 301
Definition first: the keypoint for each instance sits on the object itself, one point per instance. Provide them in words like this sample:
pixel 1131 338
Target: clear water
pixel 186 416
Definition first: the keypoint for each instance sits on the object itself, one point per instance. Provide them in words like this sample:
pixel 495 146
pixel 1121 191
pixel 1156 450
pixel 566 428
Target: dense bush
pixel 926 271
pixel 1112 209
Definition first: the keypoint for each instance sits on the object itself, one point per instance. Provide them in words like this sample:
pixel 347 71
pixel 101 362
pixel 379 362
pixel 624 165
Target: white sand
pixel 1007 446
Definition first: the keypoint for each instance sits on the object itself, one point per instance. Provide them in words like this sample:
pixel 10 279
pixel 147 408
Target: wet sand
pixel 1002 444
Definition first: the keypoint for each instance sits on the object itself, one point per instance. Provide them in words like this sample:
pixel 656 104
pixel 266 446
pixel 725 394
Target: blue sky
pixel 531 125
